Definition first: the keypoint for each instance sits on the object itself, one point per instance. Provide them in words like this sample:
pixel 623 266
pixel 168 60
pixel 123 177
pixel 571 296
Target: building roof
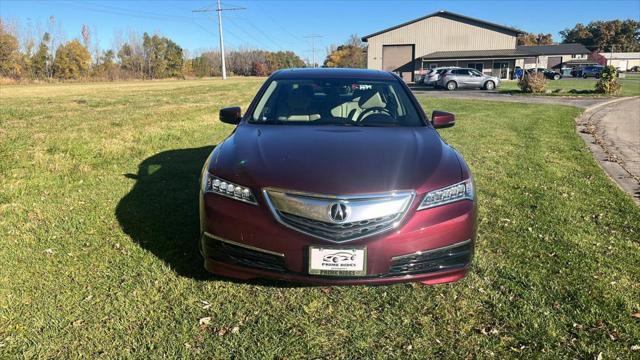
pixel 555 49
pixel 621 55
pixel 475 54
pixel 452 16
pixel 519 51
pixel 580 62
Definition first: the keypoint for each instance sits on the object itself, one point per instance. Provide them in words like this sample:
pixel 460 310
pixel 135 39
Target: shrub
pixel 608 83
pixel 532 83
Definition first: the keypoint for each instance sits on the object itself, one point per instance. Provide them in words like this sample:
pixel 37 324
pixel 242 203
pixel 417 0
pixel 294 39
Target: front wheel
pixel 451 85
pixel 490 85
pixel 597 76
pixel 556 77
pixel 584 76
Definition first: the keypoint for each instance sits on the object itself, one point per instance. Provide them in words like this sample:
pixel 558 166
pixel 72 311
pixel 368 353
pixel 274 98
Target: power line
pixel 313 38
pixel 219 10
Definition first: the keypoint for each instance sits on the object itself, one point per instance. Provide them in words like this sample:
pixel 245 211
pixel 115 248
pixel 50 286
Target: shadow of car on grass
pixel 160 213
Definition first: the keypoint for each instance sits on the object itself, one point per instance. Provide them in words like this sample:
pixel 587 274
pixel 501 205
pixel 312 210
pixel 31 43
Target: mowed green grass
pixel 98 225
pixel 583 87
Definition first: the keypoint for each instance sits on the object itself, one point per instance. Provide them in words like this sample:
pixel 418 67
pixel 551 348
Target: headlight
pixel 456 192
pixel 212 184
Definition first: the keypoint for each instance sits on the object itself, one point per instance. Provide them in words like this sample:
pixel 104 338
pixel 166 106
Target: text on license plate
pixel 337 261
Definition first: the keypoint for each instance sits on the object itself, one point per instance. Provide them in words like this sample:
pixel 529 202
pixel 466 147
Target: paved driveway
pixel 615 141
pixel 471 94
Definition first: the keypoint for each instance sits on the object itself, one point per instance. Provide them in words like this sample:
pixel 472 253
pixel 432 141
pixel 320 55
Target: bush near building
pixel 608 82
pixel 532 83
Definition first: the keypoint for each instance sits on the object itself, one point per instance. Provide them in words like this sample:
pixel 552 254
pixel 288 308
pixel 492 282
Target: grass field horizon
pixel 98 221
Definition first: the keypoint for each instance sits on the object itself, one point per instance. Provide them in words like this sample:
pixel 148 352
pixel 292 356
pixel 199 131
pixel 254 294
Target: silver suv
pixel 432 76
pixel 467 78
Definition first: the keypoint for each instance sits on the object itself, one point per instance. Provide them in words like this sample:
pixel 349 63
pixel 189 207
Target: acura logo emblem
pixel 339 212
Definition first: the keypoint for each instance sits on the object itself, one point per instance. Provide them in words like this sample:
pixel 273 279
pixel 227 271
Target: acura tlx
pixel 337 176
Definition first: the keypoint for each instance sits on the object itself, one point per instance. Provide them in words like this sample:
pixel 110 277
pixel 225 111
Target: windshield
pixel 353 102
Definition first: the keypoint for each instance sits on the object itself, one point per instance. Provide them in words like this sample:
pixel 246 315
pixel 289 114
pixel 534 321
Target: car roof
pixel 314 73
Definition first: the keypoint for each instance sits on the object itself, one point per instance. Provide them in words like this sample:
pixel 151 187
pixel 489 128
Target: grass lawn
pixel 98 223
pixel 584 87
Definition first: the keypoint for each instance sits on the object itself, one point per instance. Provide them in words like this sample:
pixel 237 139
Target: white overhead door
pixel 622 65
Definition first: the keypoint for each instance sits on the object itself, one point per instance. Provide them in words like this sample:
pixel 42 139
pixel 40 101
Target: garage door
pixel 399 59
pixel 553 61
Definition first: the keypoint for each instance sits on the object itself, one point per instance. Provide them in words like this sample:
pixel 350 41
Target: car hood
pixel 336 159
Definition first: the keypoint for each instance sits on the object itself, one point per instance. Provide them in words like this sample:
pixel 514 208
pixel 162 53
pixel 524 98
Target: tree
pixel 174 59
pixel 40 61
pixel 350 55
pixel 616 35
pixel 162 57
pixel 72 61
pixel 535 39
pixel 9 56
pixel 86 36
pixel 131 58
pixel 260 69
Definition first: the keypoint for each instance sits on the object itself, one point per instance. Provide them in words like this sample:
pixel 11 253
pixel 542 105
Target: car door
pixel 475 78
pixel 462 77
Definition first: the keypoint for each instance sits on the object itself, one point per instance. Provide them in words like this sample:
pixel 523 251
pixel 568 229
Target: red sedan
pixel 336 176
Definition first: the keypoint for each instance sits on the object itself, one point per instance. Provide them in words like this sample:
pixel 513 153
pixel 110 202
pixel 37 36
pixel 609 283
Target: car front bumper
pixel 244 241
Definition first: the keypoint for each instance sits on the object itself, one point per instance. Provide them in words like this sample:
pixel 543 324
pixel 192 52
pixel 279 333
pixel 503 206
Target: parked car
pixel 452 79
pixel 591 71
pixel 336 176
pixel 576 72
pixel 635 69
pixel 431 78
pixel 549 74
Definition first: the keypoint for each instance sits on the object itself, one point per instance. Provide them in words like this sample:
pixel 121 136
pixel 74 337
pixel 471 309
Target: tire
pixel 597 76
pixel 556 77
pixel 452 85
pixel 489 85
pixel 584 76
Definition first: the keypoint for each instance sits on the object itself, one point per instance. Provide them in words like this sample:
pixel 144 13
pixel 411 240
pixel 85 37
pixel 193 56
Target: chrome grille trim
pixel 372 213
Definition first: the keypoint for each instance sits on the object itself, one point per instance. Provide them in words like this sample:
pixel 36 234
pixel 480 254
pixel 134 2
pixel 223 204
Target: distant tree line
pixel 616 35
pixel 243 62
pixel 140 57
pixel 598 36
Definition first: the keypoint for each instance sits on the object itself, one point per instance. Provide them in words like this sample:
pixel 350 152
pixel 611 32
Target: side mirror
pixel 231 115
pixel 442 119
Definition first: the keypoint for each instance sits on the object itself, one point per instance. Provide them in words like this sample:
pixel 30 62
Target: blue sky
pixel 276 25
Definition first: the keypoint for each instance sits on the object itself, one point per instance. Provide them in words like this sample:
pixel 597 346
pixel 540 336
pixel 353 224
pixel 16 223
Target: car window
pixel 360 102
pixel 475 72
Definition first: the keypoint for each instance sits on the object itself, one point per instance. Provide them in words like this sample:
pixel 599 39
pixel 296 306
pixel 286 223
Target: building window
pixel 477 66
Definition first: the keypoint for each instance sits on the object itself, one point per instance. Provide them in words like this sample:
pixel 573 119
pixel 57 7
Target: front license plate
pixel 335 261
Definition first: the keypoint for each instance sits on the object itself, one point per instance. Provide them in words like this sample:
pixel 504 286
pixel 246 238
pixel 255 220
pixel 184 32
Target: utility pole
pixel 219 10
pixel 313 38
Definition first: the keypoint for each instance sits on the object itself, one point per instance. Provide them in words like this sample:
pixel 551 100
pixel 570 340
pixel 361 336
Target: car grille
pixel 452 257
pixel 238 255
pixel 311 213
pixel 340 232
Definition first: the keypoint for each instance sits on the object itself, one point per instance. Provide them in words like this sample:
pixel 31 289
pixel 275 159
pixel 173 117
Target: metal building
pixel 448 39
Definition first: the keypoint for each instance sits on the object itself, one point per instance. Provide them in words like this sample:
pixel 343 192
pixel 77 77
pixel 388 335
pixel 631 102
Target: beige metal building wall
pixel 437 33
